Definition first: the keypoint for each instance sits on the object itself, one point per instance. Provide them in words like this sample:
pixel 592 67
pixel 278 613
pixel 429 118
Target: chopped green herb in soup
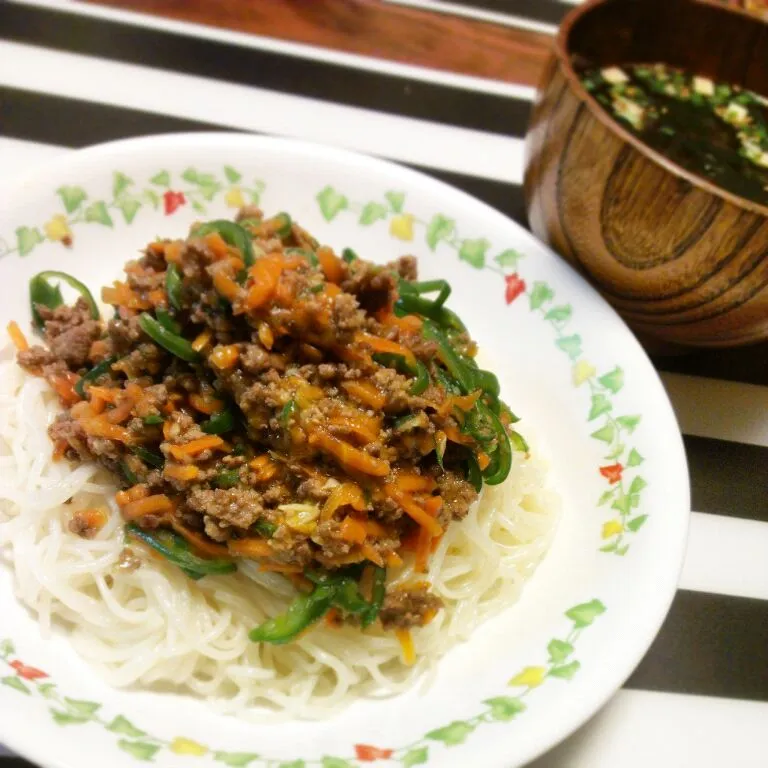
pixel 717 131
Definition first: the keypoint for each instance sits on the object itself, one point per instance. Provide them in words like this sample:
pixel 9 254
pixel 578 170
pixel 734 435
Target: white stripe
pixel 405 139
pixel 299 50
pixel 641 728
pixel 19 156
pixel 726 555
pixel 479 14
pixel 725 410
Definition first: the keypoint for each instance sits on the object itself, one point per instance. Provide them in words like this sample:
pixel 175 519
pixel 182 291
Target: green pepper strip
pixel 411 304
pixel 174 343
pixel 130 475
pixel 227 478
pixel 349 255
pixel 165 319
pixel 265 528
pixel 456 367
pixel 378 591
pixel 42 292
pixel 287 412
pixel 303 611
pixel 518 441
pixel 231 233
pixel 428 286
pixel 219 423
pixel 153 419
pixel 474 475
pixel 283 224
pixel 93 375
pixel 149 457
pixel 173 286
pixel 175 548
pixel 347 595
pixel 501 458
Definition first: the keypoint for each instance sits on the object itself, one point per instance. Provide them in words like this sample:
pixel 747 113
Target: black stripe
pixel 74 123
pixel 548 11
pixel 745 364
pixel 14 762
pixel 711 645
pixel 728 478
pixel 288 74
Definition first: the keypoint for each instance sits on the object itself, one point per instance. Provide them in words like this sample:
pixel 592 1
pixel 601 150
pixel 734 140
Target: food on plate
pixel 715 130
pixel 273 449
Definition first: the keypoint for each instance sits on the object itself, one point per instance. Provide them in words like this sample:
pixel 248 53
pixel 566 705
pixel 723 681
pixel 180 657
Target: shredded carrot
pixel 330 264
pixel 181 471
pixel 463 403
pixel 107 394
pixel 280 567
pixel 226 286
pixel 200 342
pixel 59 449
pixel 306 394
pixel 200 543
pixel 168 425
pixel 98 351
pixel 423 548
pixel 433 505
pixel 266 337
pixel 138 491
pixel 413 510
pixel 429 614
pixel 207 403
pixel 264 468
pixel 366 392
pixel 408 323
pixel 266 275
pixel 411 481
pixel 92 517
pixel 17 337
pixel 332 618
pixel 352 530
pixel 64 386
pixel 348 456
pixel 393 560
pixel 157 248
pixel 120 412
pixel 98 426
pixel 372 528
pixel 406 645
pixel 121 295
pixel 187 450
pixel 455 436
pixel 379 344
pixel 172 252
pixel 217 245
pixel 346 494
pixel 224 357
pixel 250 548
pixel 370 553
pixel 147 506
pixel 157 297
pixel 361 425
pixel 331 290
pixel 483 460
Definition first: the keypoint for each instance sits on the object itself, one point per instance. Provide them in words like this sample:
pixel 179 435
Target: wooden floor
pixel 372 28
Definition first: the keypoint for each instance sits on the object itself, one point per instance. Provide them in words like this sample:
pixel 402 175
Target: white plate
pixel 567 363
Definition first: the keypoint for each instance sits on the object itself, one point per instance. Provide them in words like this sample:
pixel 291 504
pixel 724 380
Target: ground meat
pixel 407 267
pixel 458 495
pixel 123 334
pixel 327 536
pixel 237 507
pixel 249 212
pixel 69 332
pixel 35 358
pixel 408 607
pixel 374 286
pixel 127 561
pixel 66 429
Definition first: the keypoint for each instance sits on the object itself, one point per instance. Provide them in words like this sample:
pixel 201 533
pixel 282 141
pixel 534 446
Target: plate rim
pixel 593 699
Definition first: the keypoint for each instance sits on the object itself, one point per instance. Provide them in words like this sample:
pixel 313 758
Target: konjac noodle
pixel 715 130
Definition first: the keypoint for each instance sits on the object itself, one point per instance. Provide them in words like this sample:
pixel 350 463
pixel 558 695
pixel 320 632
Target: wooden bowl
pixel 681 259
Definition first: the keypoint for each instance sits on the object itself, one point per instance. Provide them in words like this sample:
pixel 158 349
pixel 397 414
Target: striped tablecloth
pixel 72 75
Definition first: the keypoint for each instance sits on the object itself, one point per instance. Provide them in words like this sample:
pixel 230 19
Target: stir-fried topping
pixel 260 397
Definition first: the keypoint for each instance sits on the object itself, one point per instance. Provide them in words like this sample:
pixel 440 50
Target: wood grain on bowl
pixel 680 258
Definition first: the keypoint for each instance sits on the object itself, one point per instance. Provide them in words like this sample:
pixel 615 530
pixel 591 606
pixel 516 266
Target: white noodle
pixel 156 627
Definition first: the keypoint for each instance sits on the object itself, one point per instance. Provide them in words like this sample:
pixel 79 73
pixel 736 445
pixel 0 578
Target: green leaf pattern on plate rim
pixel 198 190
pixel 144 746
